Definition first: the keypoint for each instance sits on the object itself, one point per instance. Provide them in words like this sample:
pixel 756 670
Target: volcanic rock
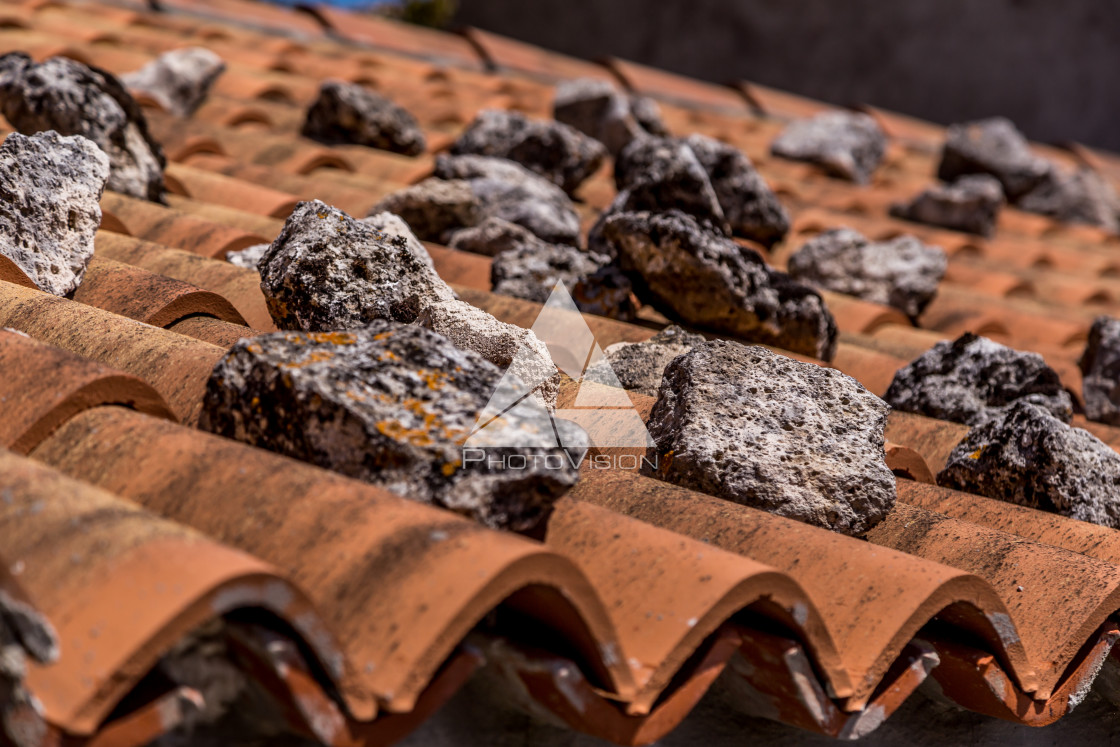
pixel 902 272
pixel 493 236
pixel 757 428
pixel 1100 366
pixel 50 192
pixel 638 366
pixel 972 380
pixel 971 203
pixel 1079 196
pixel 66 96
pixel 849 145
pixel 992 146
pixel 178 80
pixel 434 208
pixel 349 113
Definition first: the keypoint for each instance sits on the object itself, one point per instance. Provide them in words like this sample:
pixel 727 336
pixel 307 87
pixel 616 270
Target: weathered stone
pixel 178 80
pixel 492 236
pixel 559 153
pixel 24 634
pixel 1079 196
pixel 845 144
pixel 1100 366
pixel 349 113
pixel 992 146
pixel 971 203
pixel 434 208
pixel 596 108
pixel 757 428
pixel 972 380
pixel 532 269
pixel 50 192
pixel 249 257
pixel 648 114
pixel 66 96
pixel 393 404
pixel 395 226
pixel 328 271
pixel 639 366
pixel 902 272
pixel 752 210
pixel 511 192
pixel 1029 457
pixel 507 346
pixel 712 282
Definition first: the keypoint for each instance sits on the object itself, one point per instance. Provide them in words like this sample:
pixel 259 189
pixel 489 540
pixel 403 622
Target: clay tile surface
pixel 676 88
pixel 501 52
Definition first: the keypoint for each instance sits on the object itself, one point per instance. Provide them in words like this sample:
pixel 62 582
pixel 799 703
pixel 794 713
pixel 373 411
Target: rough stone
pixel 1100 366
pixel 752 210
pixel 506 190
pixel 66 96
pixel 393 404
pixel 434 208
pixel 249 257
pixel 24 634
pixel 349 113
pixel 1079 196
pixel 50 190
pixel 1029 457
pixel 559 153
pixel 597 108
pixel 639 366
pixel 712 282
pixel 971 203
pixel 648 114
pixel 902 272
pixel 532 269
pixel 757 428
pixel 328 271
pixel 849 145
pixel 178 80
pixel 492 236
pixel 992 146
pixel 507 346
pixel 395 226
pixel 972 380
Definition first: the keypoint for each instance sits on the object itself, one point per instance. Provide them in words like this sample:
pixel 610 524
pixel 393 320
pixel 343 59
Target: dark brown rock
pixel 639 366
pixel 971 203
pixel 349 113
pixel 992 146
pixel 1100 366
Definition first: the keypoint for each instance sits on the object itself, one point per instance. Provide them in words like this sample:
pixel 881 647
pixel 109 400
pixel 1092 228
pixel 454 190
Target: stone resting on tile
pixel 1100 366
pixel 757 428
pixel 73 99
pixel 597 108
pixel 179 80
pixel 972 204
pixel 349 113
pixel 849 145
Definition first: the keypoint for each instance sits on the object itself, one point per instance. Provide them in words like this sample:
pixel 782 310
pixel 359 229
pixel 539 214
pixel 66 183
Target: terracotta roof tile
pixel 382 33
pixel 676 88
pixel 163 225
pixel 221 190
pixel 503 53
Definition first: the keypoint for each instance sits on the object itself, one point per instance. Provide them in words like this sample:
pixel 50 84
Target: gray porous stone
pixel 849 145
pixel 327 271
pixel 50 193
pixel 507 346
pixel 902 272
pixel 532 269
pixel 1078 196
pixel 972 380
pixel 492 236
pixel 992 146
pixel 395 226
pixel 559 153
pixel 179 80
pixel 393 404
pixel 509 191
pixel 1100 368
pixel 349 113
pixel 754 427
pixel 249 257
pixel 66 96
pixel 648 114
pixel 596 108
pixel 971 203
pixel 752 210
pixel 639 366
pixel 1029 457
pixel 434 208
pixel 710 281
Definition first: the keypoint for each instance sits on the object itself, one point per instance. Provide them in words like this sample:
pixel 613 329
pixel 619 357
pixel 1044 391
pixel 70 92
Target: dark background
pixel 1052 67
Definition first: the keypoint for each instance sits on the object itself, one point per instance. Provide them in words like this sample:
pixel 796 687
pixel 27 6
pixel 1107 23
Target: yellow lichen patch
pixel 333 338
pixel 254 348
pixel 255 402
pixel 383 335
pixel 315 356
pixel 321 214
pixel 435 380
pixel 398 432
pixel 449 468
pixel 388 355
pixel 976 454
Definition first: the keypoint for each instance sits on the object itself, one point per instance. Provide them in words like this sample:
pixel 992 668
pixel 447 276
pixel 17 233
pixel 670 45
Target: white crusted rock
pixel 849 145
pixel 178 80
pixel 50 190
pixel 66 96
pixel 249 257
pixel 327 271
pixel 757 428
pixel 971 203
pixel 349 113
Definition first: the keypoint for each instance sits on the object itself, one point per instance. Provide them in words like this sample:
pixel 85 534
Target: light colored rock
pixel 992 146
pixel 327 271
pixel 971 203
pixel 179 80
pixel 393 404
pixel 1100 368
pixel 849 145
pixel 972 380
pixel 639 366
pixel 349 113
pixel 710 281
pixel 757 428
pixel 50 190
pixel 902 272
pixel 395 226
pixel 66 96
pixel 434 208
pixel 1079 196
pixel 249 257
pixel 1027 456
pixel 493 236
